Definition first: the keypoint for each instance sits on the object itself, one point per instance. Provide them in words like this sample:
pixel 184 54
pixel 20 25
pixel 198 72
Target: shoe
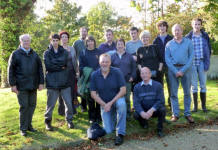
pixel 119 140
pixel 48 125
pixel 189 119
pixel 174 118
pixel 23 133
pixel 70 125
pixel 32 129
pixel 160 134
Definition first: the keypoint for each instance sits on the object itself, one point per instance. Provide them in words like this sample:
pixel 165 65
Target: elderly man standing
pixel 108 89
pixel 179 56
pixel 148 100
pixel 25 75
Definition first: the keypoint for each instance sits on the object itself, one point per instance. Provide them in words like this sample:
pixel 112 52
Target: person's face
pixel 145 39
pixel 105 63
pixel 55 42
pixel 25 42
pixel 196 25
pixel 162 29
pixel 64 39
pixel 109 36
pixel 177 32
pixel 134 35
pixel 120 46
pixel 83 33
pixel 90 44
pixel 145 74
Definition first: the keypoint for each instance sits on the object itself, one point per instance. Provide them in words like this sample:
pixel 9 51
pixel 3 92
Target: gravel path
pixel 200 138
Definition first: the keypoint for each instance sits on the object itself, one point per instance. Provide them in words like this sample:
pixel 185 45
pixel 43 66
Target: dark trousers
pixel 27 102
pixel 94 110
pixel 165 73
pixel 160 114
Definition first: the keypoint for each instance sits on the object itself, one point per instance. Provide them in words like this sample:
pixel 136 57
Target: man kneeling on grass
pixel 148 100
pixel 108 89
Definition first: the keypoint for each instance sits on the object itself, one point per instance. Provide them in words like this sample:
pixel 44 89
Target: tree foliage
pixel 101 17
pixel 12 15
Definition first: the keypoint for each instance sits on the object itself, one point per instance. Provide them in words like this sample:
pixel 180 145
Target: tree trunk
pixel 4 82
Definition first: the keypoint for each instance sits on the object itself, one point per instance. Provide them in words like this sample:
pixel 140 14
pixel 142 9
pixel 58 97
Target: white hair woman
pixel 149 56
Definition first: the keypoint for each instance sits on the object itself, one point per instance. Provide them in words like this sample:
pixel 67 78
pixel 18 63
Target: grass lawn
pixel 10 137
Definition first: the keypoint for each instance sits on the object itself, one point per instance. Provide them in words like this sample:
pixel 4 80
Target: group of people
pixel 108 74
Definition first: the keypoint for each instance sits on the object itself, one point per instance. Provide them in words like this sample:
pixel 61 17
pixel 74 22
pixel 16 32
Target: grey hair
pixel 179 25
pixel 145 33
pixel 24 35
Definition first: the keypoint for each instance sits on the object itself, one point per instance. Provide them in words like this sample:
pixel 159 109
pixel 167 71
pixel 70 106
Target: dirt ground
pixel 199 138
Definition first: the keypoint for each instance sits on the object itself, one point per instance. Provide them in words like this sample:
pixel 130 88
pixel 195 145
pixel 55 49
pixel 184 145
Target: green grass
pixel 62 136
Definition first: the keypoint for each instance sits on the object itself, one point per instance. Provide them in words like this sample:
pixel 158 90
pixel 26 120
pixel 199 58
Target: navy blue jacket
pixel 126 64
pixel 157 41
pixel 148 96
pixel 89 58
pixel 206 48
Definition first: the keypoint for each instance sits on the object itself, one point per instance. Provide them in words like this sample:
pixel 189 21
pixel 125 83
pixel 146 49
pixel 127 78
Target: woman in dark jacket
pixel 90 58
pixel 149 56
pixel 73 69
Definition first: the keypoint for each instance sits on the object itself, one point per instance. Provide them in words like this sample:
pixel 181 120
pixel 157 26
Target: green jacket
pixel 83 83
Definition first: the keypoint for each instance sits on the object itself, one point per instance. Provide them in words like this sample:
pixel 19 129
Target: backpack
pixel 95 131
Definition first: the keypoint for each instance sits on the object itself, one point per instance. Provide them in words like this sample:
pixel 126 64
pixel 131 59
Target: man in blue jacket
pixel 55 59
pixel 148 100
pixel 201 62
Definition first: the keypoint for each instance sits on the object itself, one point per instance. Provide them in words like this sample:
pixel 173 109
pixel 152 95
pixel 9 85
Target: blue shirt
pixel 25 50
pixel 126 64
pixel 146 96
pixel 179 53
pixel 104 47
pixel 108 87
pixel 133 46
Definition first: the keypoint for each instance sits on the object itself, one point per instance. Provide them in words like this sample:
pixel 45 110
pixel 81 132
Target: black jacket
pixel 56 68
pixel 157 41
pixel 25 70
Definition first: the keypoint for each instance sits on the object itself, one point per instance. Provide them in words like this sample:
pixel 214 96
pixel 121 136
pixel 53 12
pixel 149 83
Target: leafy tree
pixel 101 17
pixel 12 15
pixel 64 16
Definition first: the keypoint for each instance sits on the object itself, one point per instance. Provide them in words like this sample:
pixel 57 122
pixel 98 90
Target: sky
pixel 122 7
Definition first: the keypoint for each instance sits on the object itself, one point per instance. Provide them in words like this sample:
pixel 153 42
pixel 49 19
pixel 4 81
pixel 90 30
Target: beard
pixel 105 69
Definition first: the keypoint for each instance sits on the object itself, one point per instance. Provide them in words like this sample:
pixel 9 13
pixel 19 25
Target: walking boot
pixel 203 101
pixel 195 101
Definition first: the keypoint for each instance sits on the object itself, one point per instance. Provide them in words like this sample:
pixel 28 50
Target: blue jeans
pixel 118 110
pixel 174 85
pixel 199 73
